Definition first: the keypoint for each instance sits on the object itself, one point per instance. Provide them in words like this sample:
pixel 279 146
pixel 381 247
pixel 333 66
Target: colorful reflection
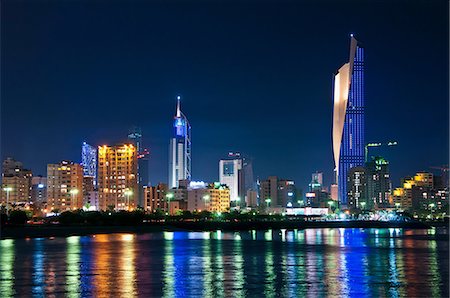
pixel 271 263
pixel 7 267
pixel 73 266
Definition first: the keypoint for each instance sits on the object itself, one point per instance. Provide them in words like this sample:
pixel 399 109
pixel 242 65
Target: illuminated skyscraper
pixel 180 149
pixel 89 161
pixel 117 177
pixel 348 118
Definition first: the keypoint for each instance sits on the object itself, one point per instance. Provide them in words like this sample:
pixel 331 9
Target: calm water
pixel 273 263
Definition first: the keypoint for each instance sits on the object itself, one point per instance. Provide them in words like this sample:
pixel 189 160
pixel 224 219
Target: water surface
pixel 272 263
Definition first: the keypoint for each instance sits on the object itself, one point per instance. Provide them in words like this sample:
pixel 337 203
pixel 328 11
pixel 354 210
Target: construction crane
pixel 366 148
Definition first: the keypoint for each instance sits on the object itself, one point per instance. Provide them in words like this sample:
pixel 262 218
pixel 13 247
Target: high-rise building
pixel 357 188
pixel 117 177
pixel 89 161
pixel 64 186
pixel 135 137
pixel 16 184
pixel 378 183
pixel 236 172
pixel 275 192
pixel 180 149
pixel 348 118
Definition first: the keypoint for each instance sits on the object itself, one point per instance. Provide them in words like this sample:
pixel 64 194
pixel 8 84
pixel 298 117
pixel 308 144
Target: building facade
pixel 214 197
pixel 348 118
pixel 357 188
pixel 275 192
pixel 16 184
pixel 117 177
pixel 180 149
pixel 155 198
pixel 64 186
pixel 379 186
pixel 89 161
pixel 39 192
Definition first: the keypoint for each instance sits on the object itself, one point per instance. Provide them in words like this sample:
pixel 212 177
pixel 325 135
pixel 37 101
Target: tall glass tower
pixel 180 149
pixel 89 161
pixel 348 118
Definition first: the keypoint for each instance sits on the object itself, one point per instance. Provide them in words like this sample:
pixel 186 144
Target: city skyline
pixel 284 140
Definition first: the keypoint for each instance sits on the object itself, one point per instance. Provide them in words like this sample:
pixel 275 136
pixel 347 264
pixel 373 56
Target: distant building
pixel 357 188
pixel 275 192
pixel 334 192
pixel 117 177
pixel 348 118
pixel 316 182
pixel 180 149
pixel 251 198
pixel 155 198
pixel 16 184
pixel 237 173
pixel 378 183
pixel 89 162
pixel 64 186
pixel 135 137
pixel 39 190
pixel 214 197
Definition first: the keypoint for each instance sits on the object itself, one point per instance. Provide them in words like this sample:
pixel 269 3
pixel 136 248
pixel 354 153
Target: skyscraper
pixel 348 118
pixel 89 161
pixel 180 149
pixel 117 177
pixel 135 137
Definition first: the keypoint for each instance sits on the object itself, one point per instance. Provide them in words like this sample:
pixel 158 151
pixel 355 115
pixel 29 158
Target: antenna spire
pixel 178 106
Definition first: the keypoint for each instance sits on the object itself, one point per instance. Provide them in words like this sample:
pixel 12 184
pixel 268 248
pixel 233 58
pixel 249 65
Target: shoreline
pixel 28 231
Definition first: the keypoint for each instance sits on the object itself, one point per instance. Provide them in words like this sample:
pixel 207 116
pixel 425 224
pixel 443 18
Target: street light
pixel 73 193
pixel 268 202
pixel 128 193
pixel 8 190
pixel 169 196
pixel 397 205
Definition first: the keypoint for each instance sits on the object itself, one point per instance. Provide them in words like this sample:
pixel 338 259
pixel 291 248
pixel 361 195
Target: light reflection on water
pixel 272 263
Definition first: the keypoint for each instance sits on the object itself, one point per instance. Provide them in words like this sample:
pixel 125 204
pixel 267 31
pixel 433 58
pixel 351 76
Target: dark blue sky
pixel 256 77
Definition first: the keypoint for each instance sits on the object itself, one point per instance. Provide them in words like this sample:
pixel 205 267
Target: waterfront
pixel 312 262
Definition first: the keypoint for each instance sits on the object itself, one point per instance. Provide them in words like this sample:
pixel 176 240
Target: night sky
pixel 255 77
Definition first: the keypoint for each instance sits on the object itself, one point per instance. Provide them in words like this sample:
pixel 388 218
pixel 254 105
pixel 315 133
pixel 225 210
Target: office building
pixel 214 197
pixel 155 198
pixel 275 192
pixel 316 182
pixel 378 183
pixel 180 149
pixel 117 177
pixel 39 191
pixel 135 137
pixel 16 184
pixel 89 162
pixel 64 186
pixel 357 188
pixel 348 118
pixel 236 172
